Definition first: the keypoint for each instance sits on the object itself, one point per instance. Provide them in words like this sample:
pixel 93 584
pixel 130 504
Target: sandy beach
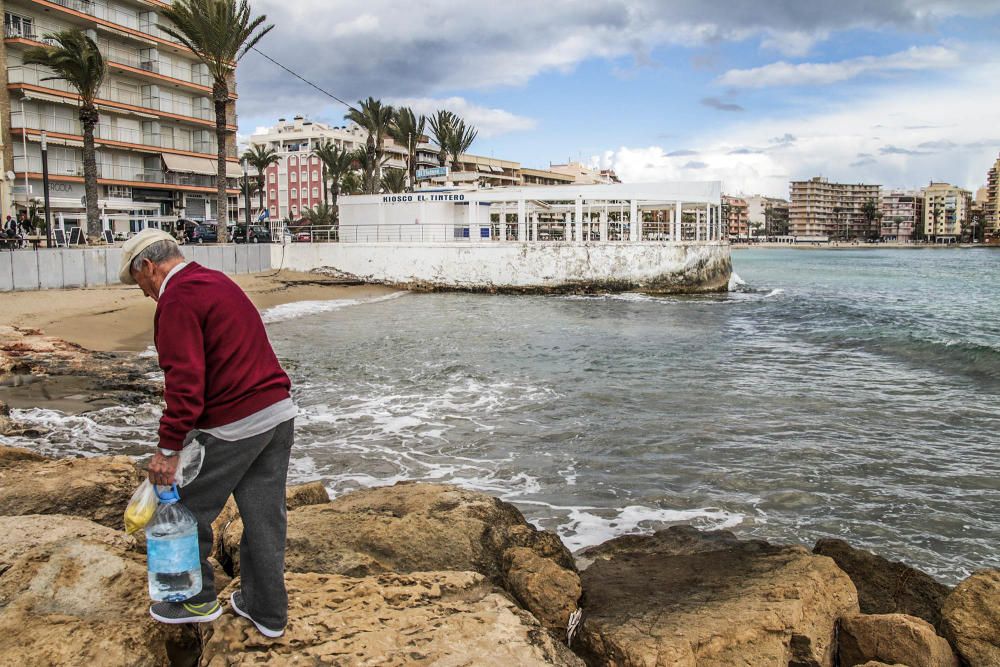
pixel 120 318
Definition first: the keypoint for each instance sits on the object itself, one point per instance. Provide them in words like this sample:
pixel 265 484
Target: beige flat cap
pixel 137 244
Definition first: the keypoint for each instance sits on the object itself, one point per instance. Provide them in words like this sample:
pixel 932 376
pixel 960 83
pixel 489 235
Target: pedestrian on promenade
pixel 224 386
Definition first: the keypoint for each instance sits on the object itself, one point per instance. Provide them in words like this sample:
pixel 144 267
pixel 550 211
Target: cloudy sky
pixel 750 92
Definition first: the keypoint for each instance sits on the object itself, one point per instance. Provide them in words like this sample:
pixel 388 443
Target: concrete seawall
pixel 703 266
pixel 58 268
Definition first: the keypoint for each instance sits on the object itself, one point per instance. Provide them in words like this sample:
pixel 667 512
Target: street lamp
pixel 45 191
pixel 246 198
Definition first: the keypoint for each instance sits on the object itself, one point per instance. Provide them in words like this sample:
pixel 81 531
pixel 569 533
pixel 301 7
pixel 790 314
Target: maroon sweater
pixel 218 364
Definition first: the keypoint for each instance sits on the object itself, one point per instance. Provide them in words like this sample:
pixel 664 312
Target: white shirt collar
pixel 170 275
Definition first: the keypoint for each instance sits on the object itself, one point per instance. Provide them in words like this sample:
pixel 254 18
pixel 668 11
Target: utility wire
pixel 304 80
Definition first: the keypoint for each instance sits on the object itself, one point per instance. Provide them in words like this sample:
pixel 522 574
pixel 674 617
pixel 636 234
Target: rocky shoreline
pixel 434 574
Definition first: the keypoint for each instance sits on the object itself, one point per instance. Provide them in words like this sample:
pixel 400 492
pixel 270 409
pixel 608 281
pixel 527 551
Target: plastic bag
pixel 141 507
pixel 189 465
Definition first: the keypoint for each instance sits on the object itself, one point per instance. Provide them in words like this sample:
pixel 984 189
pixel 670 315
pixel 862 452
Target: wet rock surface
pixel 35 368
pixel 423 618
pixel 893 639
pixel 887 587
pixel 972 619
pixel 428 527
pixel 96 488
pixel 685 598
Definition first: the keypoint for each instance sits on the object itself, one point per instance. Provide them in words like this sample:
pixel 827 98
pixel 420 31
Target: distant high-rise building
pixel 902 214
pixel 991 208
pixel 946 211
pixel 734 217
pixel 769 215
pixel 835 210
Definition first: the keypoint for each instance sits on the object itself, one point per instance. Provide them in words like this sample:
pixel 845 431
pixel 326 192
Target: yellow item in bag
pixel 140 508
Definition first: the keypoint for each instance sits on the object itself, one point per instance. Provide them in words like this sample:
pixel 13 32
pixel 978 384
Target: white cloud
pixel 794 43
pixel 915 58
pixel 363 24
pixel 489 122
pixel 893 137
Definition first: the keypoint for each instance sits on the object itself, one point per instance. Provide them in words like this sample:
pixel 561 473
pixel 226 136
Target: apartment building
pixel 543 177
pixel 585 175
pixel 835 210
pixel 156 145
pixel 734 216
pixel 767 214
pixel 992 202
pixel 902 215
pixel 946 212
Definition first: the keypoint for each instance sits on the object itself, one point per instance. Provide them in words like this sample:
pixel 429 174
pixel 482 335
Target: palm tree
pixel 406 130
pixel 337 162
pixel 369 170
pixel 441 123
pixel 375 118
pixel 871 214
pixel 77 61
pixel 350 184
pixel 319 215
pixel 460 139
pixel 260 158
pixel 220 32
pixel 393 180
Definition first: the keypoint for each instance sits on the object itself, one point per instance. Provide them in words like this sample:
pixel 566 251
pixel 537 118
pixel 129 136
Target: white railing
pixel 102 11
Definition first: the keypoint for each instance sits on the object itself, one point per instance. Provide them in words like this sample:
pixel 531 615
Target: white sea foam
pixel 107 431
pixel 735 281
pixel 589 526
pixel 296 309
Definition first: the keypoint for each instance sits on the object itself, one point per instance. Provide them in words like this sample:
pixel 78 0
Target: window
pixel 274 210
pixel 273 178
pixel 315 192
pixel 292 160
pixel 292 177
pixel 295 210
pixel 18 26
pixel 274 194
pixel 305 176
pixel 315 175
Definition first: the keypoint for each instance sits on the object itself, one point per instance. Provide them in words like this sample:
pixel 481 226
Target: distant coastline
pixel 863 246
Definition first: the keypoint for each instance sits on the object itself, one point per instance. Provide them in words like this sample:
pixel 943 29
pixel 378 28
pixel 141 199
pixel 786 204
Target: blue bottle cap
pixel 168 497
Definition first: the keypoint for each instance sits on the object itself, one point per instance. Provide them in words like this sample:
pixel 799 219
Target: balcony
pixel 109 132
pixel 111 92
pixel 116 172
pixel 101 11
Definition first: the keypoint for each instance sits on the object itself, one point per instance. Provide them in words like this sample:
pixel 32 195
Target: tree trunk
pixel 88 119
pixel 261 184
pixel 443 158
pixel 334 191
pixel 220 94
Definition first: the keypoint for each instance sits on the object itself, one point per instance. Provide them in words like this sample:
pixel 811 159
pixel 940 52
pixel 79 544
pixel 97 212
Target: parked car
pixel 304 237
pixel 258 234
pixel 202 234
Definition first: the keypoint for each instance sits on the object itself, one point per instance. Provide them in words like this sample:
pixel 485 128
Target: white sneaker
pixel 236 602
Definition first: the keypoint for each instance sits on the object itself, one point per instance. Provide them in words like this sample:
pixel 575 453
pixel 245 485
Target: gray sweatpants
pixel 253 470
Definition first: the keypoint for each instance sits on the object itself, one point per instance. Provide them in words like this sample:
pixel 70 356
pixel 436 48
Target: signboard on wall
pixel 431 172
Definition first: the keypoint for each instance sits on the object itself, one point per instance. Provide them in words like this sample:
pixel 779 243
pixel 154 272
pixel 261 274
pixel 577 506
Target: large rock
pixel 972 619
pixel 426 618
pixel 427 527
pixel 313 493
pixel 683 598
pixel 93 488
pixel 15 456
pixel 887 587
pixel 73 592
pixel 893 638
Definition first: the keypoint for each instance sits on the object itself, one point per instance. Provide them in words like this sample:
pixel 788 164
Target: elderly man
pixel 225 387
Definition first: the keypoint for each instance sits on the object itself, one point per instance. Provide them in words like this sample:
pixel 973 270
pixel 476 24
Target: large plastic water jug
pixel 172 557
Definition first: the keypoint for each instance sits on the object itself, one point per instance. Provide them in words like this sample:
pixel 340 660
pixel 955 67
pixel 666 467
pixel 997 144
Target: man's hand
pixel 162 469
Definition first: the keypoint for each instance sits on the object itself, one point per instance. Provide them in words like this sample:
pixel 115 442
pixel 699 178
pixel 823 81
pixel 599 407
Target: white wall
pixel 667 267
pixel 87 267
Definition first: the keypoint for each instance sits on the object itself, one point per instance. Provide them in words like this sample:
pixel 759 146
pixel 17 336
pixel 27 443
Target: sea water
pixel 841 394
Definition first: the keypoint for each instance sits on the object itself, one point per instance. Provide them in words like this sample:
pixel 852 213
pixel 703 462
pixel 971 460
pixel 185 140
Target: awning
pixel 483 167
pixel 496 170
pixel 233 170
pixel 185 164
